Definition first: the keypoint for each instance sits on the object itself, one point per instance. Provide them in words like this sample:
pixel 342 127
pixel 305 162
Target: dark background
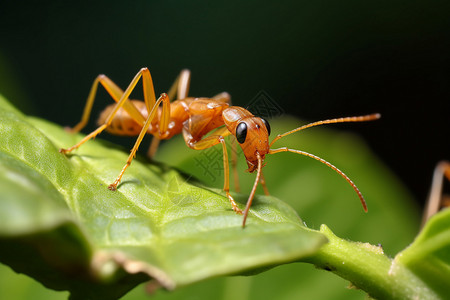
pixel 316 59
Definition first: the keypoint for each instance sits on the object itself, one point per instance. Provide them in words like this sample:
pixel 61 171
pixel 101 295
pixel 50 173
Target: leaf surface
pixel 60 224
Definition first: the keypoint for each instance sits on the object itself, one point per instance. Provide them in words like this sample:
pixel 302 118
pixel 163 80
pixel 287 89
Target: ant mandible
pixel 194 118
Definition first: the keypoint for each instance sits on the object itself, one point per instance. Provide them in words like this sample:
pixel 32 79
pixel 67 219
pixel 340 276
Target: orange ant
pixel 195 118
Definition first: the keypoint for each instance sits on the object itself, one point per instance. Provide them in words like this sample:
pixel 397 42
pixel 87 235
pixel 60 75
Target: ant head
pixel 252 133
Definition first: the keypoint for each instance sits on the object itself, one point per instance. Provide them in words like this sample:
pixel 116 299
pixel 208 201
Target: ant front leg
pixel 206 116
pixel 234 157
pixel 263 184
pixel 436 201
pixel 207 143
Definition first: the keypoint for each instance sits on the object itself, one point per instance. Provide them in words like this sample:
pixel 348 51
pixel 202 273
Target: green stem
pixel 369 269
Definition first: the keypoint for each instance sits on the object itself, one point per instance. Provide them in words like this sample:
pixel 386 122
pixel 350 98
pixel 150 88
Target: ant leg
pixel 153 147
pixel 234 150
pixel 163 98
pixel 123 102
pixel 181 86
pixel 115 92
pixel 435 200
pixel 208 142
pixel 223 97
pixel 204 118
pixel 263 184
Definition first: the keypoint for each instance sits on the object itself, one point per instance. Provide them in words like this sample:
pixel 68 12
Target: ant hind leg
pixel 115 92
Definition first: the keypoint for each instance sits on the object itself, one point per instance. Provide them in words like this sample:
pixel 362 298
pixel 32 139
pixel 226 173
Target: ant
pixel 194 118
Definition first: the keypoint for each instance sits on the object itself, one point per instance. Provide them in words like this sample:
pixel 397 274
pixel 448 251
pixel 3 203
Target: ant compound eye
pixel 241 132
pixel 267 125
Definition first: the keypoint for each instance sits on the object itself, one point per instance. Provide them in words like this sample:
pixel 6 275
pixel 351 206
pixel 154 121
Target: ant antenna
pixel 285 149
pixel 331 121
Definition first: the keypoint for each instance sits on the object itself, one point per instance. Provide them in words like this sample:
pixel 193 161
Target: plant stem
pixel 369 269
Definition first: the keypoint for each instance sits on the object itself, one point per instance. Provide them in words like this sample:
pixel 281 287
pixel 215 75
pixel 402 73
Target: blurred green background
pixel 315 59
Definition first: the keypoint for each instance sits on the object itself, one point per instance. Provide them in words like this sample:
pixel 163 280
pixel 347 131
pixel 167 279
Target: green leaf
pixel 60 224
pixel 429 255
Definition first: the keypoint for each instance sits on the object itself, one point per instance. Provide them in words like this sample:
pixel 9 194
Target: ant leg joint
pixel 233 204
pixel 66 151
